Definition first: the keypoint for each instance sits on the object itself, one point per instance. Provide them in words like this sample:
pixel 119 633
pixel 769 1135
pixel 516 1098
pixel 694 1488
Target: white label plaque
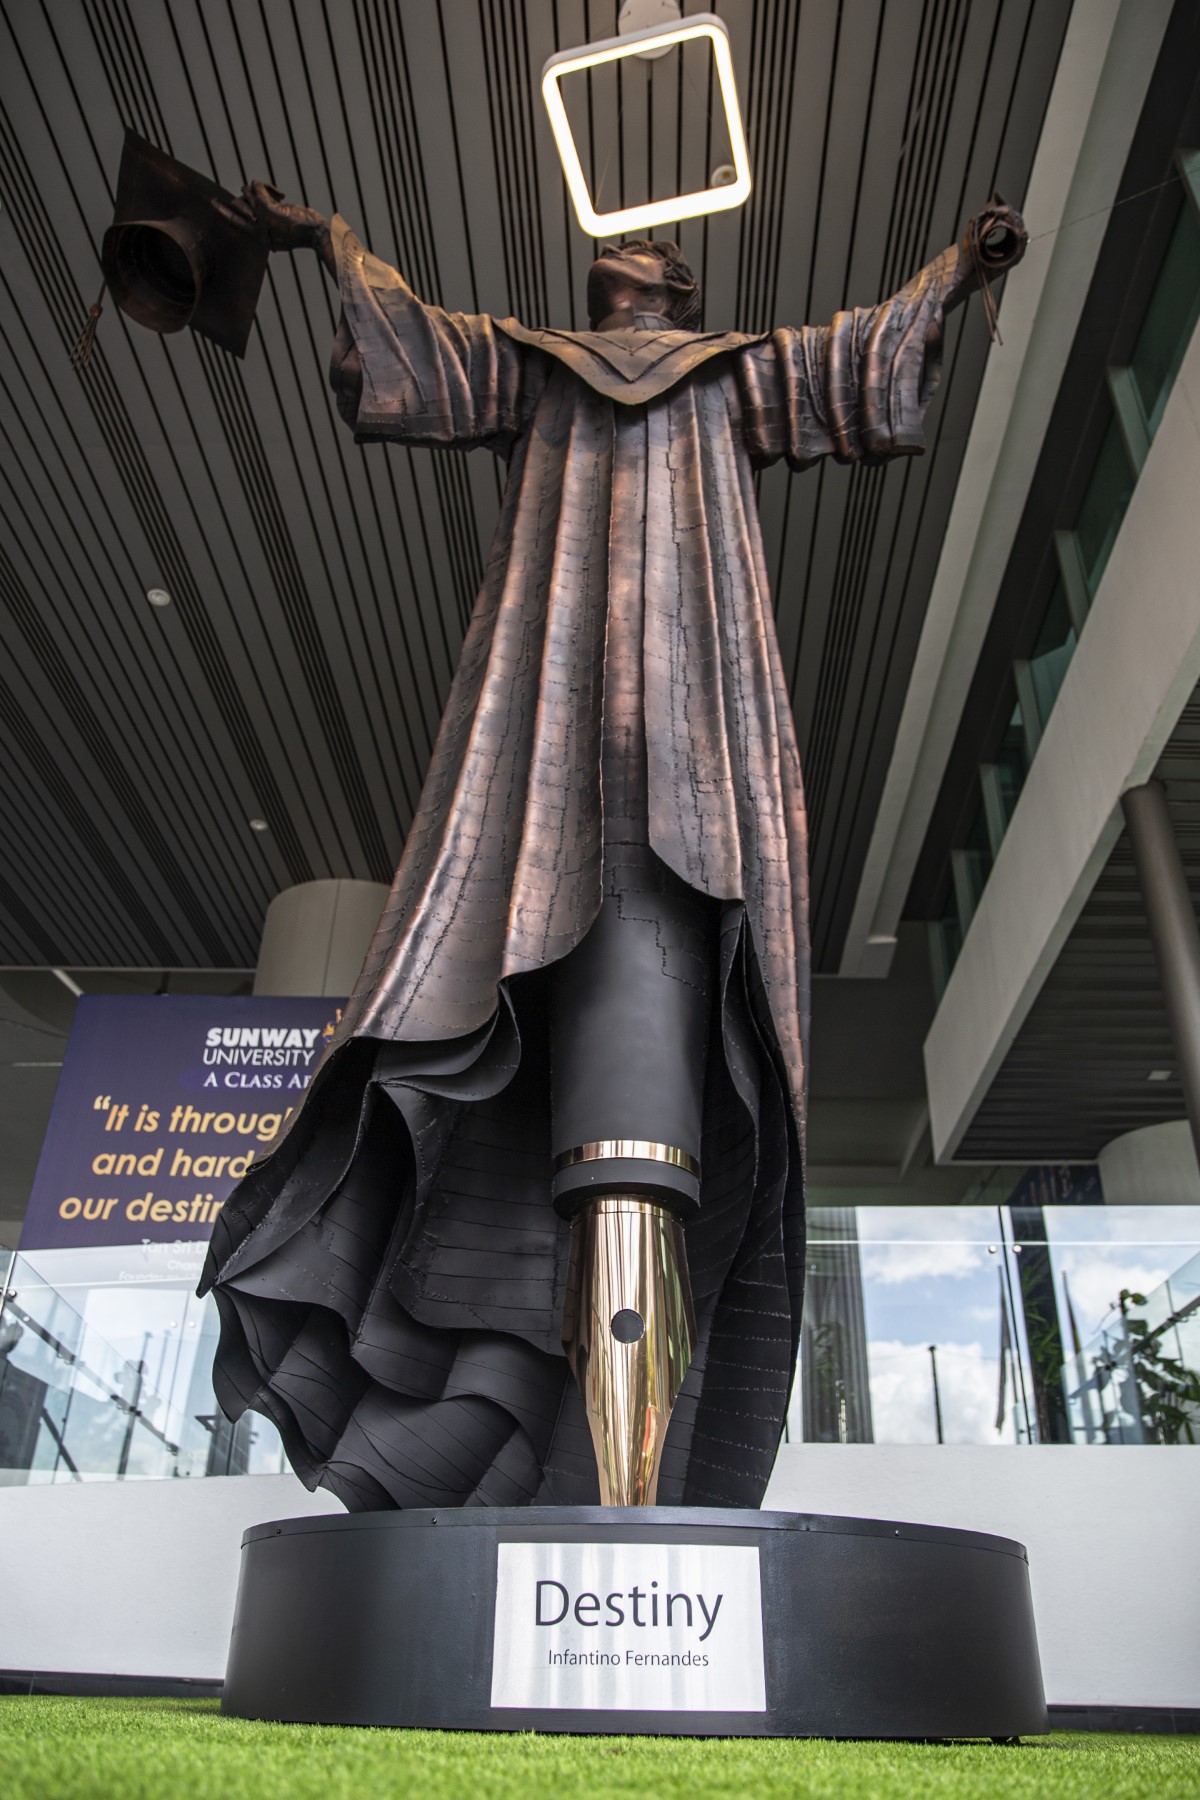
pixel 629 1627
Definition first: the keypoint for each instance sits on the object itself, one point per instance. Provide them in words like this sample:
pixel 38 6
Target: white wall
pixel 1113 1536
pixel 131 1577
pixel 138 1578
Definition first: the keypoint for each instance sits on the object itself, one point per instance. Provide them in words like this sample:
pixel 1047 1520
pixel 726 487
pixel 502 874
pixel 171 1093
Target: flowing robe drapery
pixel 390 1278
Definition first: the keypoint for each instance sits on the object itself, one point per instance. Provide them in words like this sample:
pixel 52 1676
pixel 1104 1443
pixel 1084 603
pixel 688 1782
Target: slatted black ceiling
pixel 1079 1072
pixel 320 590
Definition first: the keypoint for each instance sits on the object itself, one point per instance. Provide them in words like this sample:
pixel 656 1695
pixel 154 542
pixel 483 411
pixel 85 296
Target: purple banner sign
pixel 161 1106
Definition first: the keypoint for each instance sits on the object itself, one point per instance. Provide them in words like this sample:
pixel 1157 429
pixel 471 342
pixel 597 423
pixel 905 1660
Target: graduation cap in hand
pixel 180 251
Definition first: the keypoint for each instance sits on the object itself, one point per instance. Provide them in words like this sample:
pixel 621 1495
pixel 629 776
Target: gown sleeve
pixel 856 390
pixel 406 371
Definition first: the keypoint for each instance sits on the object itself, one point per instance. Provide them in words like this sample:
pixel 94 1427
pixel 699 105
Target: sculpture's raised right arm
pixel 288 227
pixel 403 369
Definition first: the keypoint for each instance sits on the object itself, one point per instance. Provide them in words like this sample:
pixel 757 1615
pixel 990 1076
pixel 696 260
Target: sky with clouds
pixel 936 1275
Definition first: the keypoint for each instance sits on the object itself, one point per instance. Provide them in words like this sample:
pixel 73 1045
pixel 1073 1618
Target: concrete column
pixel 1154 1166
pixel 1172 921
pixel 316 936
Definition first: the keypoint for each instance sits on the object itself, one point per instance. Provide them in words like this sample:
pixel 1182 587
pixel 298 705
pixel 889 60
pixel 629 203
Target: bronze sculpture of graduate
pixel 565 1105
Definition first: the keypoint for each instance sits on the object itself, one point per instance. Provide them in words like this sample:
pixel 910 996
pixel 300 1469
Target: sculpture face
pixel 622 283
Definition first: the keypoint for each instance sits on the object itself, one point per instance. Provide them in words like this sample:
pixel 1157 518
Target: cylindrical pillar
pixel 1153 1166
pixel 1173 931
pixel 316 936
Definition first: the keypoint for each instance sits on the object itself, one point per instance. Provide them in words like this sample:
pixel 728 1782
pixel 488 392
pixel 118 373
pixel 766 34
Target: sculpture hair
pixel 685 301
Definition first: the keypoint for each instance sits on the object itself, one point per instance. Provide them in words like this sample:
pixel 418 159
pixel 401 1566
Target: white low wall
pixel 138 1578
pixel 1113 1535
pixel 131 1577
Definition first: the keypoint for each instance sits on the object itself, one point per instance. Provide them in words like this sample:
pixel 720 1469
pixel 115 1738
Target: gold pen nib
pixel 629 1331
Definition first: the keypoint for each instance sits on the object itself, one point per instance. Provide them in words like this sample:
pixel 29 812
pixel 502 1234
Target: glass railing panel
pixel 105 1371
pixel 944 1327
pixel 914 1330
pixel 1027 1323
pixel 977 851
pixel 77 1408
pixel 1132 1315
pixel 1170 318
pixel 946 940
pixel 1017 1324
pixel 1109 490
pixel 1012 766
pixel 1052 652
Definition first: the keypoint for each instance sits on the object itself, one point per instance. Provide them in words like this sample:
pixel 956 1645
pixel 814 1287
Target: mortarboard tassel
pixel 81 354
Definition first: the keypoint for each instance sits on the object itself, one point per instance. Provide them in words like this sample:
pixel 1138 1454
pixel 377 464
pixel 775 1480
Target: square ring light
pixel 637 43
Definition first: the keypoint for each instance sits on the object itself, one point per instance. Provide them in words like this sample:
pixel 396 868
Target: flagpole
pixel 937 1397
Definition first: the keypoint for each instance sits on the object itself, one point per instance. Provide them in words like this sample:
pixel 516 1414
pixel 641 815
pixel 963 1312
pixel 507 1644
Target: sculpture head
pixel 642 277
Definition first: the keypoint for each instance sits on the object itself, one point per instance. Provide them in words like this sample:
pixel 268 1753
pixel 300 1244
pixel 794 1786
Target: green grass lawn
pixel 55 1749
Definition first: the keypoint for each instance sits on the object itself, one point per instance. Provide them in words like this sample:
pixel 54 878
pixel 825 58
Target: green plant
pixel 1168 1391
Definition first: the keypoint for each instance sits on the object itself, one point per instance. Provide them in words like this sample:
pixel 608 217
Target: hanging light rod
pixel 637 43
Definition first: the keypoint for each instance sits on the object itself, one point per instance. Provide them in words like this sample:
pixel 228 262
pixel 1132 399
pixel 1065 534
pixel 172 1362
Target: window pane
pixel 978 853
pixel 1052 652
pixel 1103 506
pixel 950 938
pixel 1011 767
pixel 1170 318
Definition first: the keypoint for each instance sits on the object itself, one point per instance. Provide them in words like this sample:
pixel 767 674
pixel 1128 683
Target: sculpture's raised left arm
pixel 858 389
pixel 993 242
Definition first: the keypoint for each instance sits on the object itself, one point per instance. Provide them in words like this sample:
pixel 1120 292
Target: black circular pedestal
pixel 655 1620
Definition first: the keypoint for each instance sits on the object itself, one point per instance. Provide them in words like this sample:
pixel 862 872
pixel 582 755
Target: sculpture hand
pixel 994 241
pixel 284 226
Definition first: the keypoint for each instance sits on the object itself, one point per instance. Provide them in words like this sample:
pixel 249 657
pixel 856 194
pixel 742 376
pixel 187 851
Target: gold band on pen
pixel 634 1149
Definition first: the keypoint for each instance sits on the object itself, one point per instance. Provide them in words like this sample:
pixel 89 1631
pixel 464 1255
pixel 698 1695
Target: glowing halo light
pixel 636 43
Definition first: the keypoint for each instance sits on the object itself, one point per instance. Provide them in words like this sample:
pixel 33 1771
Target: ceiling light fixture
pixel 718 198
pixel 158 596
pixel 639 15
pixel 258 825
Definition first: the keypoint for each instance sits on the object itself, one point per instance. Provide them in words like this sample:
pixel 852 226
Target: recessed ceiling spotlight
pixel 158 596
pixel 259 825
pixel 1160 1075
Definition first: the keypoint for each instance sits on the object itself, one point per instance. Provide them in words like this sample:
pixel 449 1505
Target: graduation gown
pixel 390 1277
